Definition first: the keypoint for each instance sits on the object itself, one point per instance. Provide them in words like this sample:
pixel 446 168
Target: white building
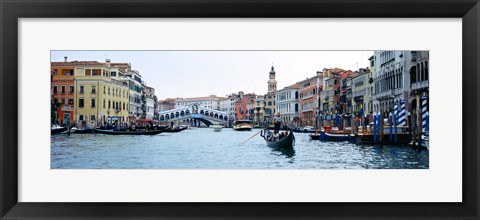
pixel 287 103
pixel 150 103
pixel 211 102
pixel 227 105
pixel 391 79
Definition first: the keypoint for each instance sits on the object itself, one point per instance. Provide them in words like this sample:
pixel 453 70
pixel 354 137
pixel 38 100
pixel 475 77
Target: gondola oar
pixel 252 137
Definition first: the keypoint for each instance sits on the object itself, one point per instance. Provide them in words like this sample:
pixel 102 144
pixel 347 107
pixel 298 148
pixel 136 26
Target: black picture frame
pixel 11 11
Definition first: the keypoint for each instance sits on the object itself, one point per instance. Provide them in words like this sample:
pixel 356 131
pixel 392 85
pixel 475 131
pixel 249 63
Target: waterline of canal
pixel 201 148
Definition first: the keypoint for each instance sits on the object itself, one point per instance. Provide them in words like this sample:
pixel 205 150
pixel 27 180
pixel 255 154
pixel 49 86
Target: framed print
pixel 249 110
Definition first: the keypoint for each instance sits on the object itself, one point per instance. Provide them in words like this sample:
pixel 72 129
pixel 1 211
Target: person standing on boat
pixel 277 122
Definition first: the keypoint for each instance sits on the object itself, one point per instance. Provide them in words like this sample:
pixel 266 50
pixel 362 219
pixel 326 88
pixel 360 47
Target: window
pixel 94 89
pixel 55 72
pixel 81 104
pixel 70 90
pixel 70 101
pixel 63 89
pixel 80 117
pixel 63 101
pixel 92 117
pixel 104 91
pixel 109 90
pixel 82 89
pixel 55 89
pixel 113 73
pixel 104 103
pixel 124 106
pixel 108 104
pixel 88 72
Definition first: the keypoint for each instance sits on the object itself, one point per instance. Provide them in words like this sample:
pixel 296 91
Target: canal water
pixel 201 148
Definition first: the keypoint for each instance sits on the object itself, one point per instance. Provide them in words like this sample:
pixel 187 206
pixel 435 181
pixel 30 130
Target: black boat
pixel 284 143
pixel 128 132
pixel 58 129
pixel 85 130
pixel 175 130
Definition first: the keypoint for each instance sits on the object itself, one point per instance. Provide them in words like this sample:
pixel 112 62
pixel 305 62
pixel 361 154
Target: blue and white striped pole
pixel 402 121
pixel 374 127
pixel 395 119
pixel 427 129
pixel 390 117
pixel 424 113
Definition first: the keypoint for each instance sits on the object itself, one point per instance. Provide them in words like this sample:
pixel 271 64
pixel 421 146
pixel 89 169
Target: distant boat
pixel 56 129
pixel 284 143
pixel 216 128
pixel 175 130
pixel 128 132
pixel 242 125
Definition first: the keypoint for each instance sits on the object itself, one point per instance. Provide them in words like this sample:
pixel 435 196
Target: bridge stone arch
pixel 193 115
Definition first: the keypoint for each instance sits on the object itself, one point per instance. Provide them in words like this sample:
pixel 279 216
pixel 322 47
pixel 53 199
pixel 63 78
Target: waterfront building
pixel 150 103
pixel 244 106
pixel 330 90
pixel 99 97
pixel 211 102
pixel 62 90
pixel 346 96
pixel 167 104
pixel 418 72
pixel 418 102
pixel 259 110
pixel 288 104
pixel 361 88
pixel 227 105
pixel 371 83
pixel 270 96
pixel 133 80
pixel 309 90
pixel 391 79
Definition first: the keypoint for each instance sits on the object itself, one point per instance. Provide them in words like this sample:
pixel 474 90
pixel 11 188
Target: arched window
pixel 426 70
pixel 422 72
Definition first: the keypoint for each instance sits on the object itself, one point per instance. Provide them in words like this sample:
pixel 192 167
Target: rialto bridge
pixel 193 115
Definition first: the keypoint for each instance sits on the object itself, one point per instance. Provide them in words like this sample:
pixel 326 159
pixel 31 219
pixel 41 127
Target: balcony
pixel 307 96
pixel 420 85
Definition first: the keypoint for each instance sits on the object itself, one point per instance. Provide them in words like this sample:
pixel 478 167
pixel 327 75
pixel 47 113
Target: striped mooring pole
pixel 424 114
pixel 374 127
pixel 390 122
pixel 402 121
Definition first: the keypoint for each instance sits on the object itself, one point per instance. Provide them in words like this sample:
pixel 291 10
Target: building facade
pixel 288 105
pixel 63 88
pixel 100 99
pixel 391 79
pixel 309 90
pixel 211 102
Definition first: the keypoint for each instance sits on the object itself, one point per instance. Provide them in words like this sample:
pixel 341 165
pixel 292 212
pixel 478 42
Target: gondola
pixel 175 130
pixel 128 132
pixel 284 143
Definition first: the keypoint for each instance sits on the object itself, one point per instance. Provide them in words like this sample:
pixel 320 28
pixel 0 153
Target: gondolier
pixel 277 121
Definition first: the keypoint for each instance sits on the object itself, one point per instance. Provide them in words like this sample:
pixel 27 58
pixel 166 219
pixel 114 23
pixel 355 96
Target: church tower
pixel 272 83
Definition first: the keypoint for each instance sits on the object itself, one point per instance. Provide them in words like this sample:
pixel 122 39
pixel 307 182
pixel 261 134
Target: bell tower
pixel 272 83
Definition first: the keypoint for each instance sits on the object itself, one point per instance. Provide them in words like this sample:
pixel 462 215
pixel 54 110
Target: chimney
pixel 108 62
pixel 65 58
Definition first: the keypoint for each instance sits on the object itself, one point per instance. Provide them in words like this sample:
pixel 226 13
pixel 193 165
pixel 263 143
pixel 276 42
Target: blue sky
pixel 202 73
